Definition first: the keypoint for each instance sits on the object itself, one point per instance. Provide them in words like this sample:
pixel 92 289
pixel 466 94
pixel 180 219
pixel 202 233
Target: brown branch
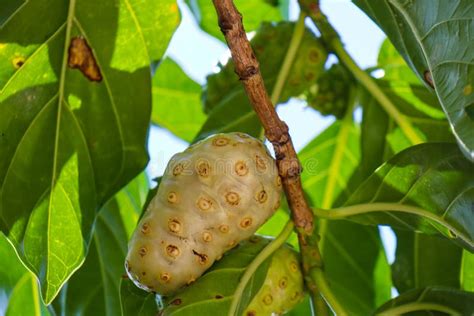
pixel 276 131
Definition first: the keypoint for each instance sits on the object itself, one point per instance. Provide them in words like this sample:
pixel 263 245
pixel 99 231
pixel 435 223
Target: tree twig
pixel 333 42
pixel 276 131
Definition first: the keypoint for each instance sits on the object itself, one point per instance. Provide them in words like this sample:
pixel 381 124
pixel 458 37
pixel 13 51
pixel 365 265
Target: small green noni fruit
pixel 331 95
pixel 213 195
pixel 282 288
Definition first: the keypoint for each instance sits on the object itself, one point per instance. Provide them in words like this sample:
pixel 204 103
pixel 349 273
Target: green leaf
pixel 136 302
pixel 374 145
pixel 380 137
pixel 233 114
pixel 425 260
pixel 254 12
pixel 329 161
pixel 426 188
pixel 302 309
pixel 431 129
pixel 69 142
pixel 7 8
pixel 19 291
pixel 176 101
pixel 275 224
pixel 25 298
pixel 417 29
pixel 430 300
pixel 212 293
pixel 467 271
pixel 355 263
pixel 95 287
pixel 225 100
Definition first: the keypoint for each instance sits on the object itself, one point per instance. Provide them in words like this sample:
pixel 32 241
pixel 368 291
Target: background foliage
pixel 72 151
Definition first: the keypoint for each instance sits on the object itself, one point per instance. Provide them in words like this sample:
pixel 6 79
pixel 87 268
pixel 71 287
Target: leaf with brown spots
pixel 80 56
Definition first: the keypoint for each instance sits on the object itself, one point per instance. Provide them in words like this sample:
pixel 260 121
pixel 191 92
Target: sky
pixel 198 54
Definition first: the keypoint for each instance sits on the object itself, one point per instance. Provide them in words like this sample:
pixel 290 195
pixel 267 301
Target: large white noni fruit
pixel 213 195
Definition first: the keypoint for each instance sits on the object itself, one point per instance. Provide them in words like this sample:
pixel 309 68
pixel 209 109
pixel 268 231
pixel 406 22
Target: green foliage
pixel 417 28
pixel 72 142
pixel 135 301
pixel 19 291
pixel 359 278
pixel 176 101
pixel 83 294
pixel 434 182
pixel 255 12
pixel 423 260
pixel 69 142
pixel 224 97
pixel 429 300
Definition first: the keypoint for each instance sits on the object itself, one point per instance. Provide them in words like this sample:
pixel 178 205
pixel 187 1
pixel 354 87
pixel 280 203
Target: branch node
pixel 248 72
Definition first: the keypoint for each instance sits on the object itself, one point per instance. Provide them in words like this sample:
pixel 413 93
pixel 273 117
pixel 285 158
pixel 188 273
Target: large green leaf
pixel 405 84
pixel 435 37
pixel 213 292
pixel 354 259
pixel 135 301
pixel 426 188
pixel 421 260
pixel 425 260
pixel 94 288
pixel 67 144
pixel 276 223
pixel 254 12
pixel 329 161
pixel 224 98
pixel 19 290
pixel 302 309
pixel 429 301
pixel 177 101
pixel 380 136
pixel 467 271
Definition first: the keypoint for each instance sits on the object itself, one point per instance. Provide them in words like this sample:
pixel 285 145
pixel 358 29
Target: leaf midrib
pixel 62 79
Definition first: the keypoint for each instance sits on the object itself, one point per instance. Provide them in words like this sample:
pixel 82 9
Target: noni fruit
pixel 270 45
pixel 213 195
pixel 277 285
pixel 331 95
pixel 282 288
